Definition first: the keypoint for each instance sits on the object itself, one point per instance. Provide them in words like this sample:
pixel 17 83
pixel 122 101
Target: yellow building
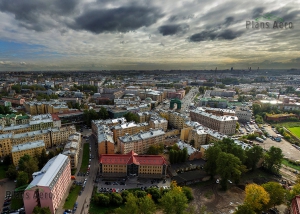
pixel 5 144
pixel 31 148
pixel 22 138
pixel 158 123
pixel 72 149
pixel 42 121
pixel 175 119
pixel 61 135
pixel 45 107
pixel 145 166
pixel 106 144
pixel 15 129
pixel 140 142
pixel 129 128
pixel 144 116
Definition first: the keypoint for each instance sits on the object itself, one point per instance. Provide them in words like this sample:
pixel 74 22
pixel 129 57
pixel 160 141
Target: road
pixel 188 99
pixel 84 199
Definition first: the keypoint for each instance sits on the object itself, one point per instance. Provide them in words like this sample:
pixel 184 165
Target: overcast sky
pixel 152 34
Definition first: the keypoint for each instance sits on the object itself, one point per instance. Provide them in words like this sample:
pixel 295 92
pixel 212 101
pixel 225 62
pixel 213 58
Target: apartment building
pixel 122 165
pixel 106 143
pixel 61 135
pixel 13 119
pixel 51 184
pixel 30 148
pixel 42 121
pixel 140 142
pixel 5 144
pixel 244 114
pixel 158 123
pixel 108 122
pixel 217 111
pixel 144 116
pixel 22 138
pixel 72 149
pixel 223 124
pixel 15 129
pixel 177 120
pixel 129 128
pixel 45 107
pixel 197 137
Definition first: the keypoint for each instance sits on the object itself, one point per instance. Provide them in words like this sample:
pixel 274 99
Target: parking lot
pixel 131 182
pixel 288 150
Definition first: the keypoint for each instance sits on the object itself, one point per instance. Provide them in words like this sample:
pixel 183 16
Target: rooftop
pixel 29 145
pixel 142 135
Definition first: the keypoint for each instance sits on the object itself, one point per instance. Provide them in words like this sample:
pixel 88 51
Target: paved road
pixel 188 99
pixel 84 199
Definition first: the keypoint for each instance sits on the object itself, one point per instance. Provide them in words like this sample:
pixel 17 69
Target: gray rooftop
pixel 29 145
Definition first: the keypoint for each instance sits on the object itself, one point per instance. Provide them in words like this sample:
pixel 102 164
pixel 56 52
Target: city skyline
pixel 132 34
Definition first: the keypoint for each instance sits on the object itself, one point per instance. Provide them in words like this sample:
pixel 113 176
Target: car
pixel 80 192
pixel 217 181
pixel 68 211
pixel 85 179
pixel 229 181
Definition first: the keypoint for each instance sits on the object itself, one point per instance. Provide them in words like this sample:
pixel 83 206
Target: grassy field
pixel 286 124
pixel 293 166
pixel 16 202
pixel 72 197
pixel 295 131
pixel 2 171
pixel 85 158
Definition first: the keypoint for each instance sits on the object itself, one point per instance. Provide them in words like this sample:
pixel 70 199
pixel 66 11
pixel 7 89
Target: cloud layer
pixel 141 34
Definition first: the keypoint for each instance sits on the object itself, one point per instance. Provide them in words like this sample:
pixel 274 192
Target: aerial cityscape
pixel 149 107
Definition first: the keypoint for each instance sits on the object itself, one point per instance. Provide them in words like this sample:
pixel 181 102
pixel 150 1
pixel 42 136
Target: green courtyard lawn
pixel 72 197
pixel 295 131
pixel 85 158
pixel 291 165
pixel 3 169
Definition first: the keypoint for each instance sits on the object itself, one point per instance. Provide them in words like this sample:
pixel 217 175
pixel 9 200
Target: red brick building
pixel 295 205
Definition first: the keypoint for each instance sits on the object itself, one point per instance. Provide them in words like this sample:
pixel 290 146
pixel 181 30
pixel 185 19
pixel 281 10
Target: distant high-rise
pixel 231 69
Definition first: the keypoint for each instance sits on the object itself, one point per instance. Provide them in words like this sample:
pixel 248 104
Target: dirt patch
pixel 217 201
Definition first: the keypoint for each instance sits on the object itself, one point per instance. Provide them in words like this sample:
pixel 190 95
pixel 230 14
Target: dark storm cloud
pixel 228 21
pixel 286 13
pixel 214 35
pixel 167 30
pixel 256 12
pixel 30 12
pixel 122 19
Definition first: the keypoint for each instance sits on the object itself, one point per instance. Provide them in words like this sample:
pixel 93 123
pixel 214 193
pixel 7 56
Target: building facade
pixel 30 148
pixel 72 149
pixel 131 164
pixel 223 124
pixel 49 185
pixel 140 142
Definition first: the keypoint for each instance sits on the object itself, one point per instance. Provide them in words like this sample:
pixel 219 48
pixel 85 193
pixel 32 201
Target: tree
pixel 116 199
pixel 22 179
pixel 155 194
pixel 188 193
pixel 11 173
pixel 103 199
pixel 146 205
pixel 131 117
pixel 41 210
pixel 237 126
pixel 103 114
pixel 244 209
pixel 276 193
pixel 273 159
pixel 228 167
pixel 174 201
pixel 253 154
pixel 201 89
pixel 256 197
pixel 28 164
pixel 43 159
pixel 131 206
pixel 211 155
pixel 140 193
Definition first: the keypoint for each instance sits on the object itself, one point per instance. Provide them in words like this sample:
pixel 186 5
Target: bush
pixel 188 193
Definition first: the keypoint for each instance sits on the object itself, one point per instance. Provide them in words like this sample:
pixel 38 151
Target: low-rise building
pixel 30 148
pixel 243 114
pixel 42 121
pixel 140 142
pixel 49 186
pixel 143 166
pixel 158 123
